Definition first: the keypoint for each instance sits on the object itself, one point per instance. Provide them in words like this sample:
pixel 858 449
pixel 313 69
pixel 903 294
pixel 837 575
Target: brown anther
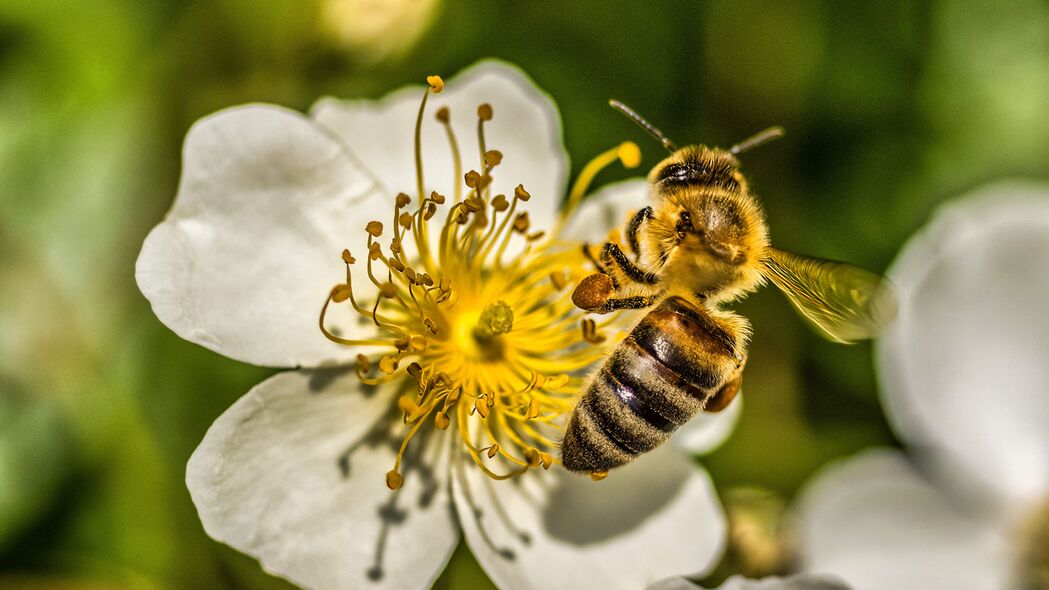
pixel 532 456
pixel 443 115
pixel 374 228
pixel 472 178
pixel 590 331
pixel 347 257
pixel 415 370
pixel 521 222
pixel 417 344
pixel 402 200
pixel 402 344
pixel 499 203
pixel 546 459
pixel 473 204
pixel 405 220
pixel 484 181
pixel 493 158
pixel 387 290
pixel 396 265
pixel 374 251
pixel 409 273
pixel 388 365
pixel 593 291
pixel 437 197
pixel 444 379
pixel 430 211
pixel 532 237
pixel 441 421
pixel 558 279
pixel 425 280
pixel 430 326
pixel 484 112
pixel 598 475
pixel 481 407
pixel 521 194
pixel 363 364
pixel 446 284
pixel 394 480
pixel 341 293
pixel 395 246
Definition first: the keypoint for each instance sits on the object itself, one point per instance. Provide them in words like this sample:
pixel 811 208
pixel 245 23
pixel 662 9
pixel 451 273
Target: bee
pixel 702 243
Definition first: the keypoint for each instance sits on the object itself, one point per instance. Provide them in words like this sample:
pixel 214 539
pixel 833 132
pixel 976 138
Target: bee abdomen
pixel 655 380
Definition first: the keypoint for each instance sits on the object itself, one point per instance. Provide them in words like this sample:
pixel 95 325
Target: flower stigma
pixel 481 339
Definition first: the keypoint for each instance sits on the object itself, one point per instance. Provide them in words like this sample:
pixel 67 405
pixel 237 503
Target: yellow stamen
pixel 626 153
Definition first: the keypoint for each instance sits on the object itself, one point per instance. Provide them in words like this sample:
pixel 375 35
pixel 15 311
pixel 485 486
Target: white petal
pixel 795 582
pixel 706 431
pixel 526 128
pixel 873 521
pixel 964 366
pixel 657 517
pixel 607 208
pixel 251 247
pixel 294 475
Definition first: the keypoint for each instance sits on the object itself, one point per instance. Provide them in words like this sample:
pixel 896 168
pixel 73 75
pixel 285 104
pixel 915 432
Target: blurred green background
pixel 890 108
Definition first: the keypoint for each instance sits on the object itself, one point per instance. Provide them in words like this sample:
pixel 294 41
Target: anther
pixel 493 158
pixel 443 115
pixel 408 406
pixel 401 344
pixel 484 112
pixel 425 280
pixel 347 257
pixel 396 265
pixel 547 459
pixel 532 456
pixel 521 222
pixel 387 290
pixel 472 178
pixel 363 364
pixel 533 409
pixel 499 203
pixel 437 197
pixel 521 194
pixel 374 228
pixel 431 210
pixel 441 421
pixel 535 236
pixel 598 475
pixel 402 200
pixel 394 480
pixel 409 274
pixel 590 332
pixel 388 365
pixel 405 220
pixel 493 450
pixel 374 251
pixel 436 83
pixel 558 279
pixel 415 370
pixel 430 326
pixel 395 245
pixel 481 406
pixel 629 154
pixel 473 204
pixel 341 293
pixel 417 344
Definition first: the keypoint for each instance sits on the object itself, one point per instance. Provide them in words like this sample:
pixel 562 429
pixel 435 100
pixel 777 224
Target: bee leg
pixel 636 302
pixel 720 400
pixel 601 268
pixel 631 230
pixel 613 254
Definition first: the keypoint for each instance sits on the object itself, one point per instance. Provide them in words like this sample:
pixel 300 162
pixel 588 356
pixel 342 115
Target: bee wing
pixel 843 302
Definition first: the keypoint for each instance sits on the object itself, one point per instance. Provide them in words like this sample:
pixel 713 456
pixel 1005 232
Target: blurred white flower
pixel 795 582
pixel 965 382
pixel 296 472
pixel 374 30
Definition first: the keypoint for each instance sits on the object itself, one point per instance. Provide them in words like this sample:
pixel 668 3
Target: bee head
pixel 700 167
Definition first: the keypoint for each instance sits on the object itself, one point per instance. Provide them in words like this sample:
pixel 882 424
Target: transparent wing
pixel 843 302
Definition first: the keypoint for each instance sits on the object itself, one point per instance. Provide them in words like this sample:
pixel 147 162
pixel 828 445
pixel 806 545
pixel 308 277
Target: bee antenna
pixel 757 139
pixel 642 123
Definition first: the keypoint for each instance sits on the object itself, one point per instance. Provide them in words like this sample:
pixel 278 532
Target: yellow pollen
pixel 472 324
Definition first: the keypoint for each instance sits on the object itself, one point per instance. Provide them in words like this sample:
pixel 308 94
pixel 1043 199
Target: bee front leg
pixel 612 254
pixel 631 231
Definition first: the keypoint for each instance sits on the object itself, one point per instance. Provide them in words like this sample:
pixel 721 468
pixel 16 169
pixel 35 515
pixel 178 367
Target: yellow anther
pixel 415 370
pixel 341 293
pixel 363 364
pixel 499 203
pixel 532 456
pixel 557 382
pixel 533 409
pixel 629 154
pixel 558 279
pixel 481 406
pixel 590 333
pixel 443 115
pixel 431 326
pixel 417 344
pixel 493 450
pixel 444 379
pixel 484 112
pixel 387 290
pixel 402 200
pixel 436 83
pixel 441 421
pixel 546 459
pixel 521 194
pixel 493 158
pixel 405 220
pixel 388 365
pixel 521 222
pixel 598 475
pixel 347 257
pixel 374 228
pixel 453 397
pixel 394 480
pixel 407 405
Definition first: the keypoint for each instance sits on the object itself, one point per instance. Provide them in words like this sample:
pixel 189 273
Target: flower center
pixel 476 333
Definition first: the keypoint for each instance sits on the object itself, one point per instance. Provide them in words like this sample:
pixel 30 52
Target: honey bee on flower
pixel 410 263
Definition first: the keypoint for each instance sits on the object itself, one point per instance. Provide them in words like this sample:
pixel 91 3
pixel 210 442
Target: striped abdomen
pixel 668 368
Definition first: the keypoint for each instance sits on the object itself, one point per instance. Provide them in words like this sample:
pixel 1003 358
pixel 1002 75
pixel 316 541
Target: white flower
pixel 966 385
pixel 296 472
pixel 795 582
